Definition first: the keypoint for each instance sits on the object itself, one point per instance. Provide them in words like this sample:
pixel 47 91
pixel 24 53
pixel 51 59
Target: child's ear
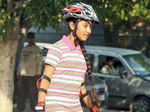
pixel 71 25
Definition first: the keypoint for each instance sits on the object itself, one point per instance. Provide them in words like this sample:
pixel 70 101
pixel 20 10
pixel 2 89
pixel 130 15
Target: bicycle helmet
pixel 80 10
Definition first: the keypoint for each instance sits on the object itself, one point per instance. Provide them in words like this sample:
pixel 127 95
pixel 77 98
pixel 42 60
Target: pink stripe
pixel 57 106
pixel 72 52
pixel 62 110
pixel 52 52
pixel 70 71
pixel 76 97
pixel 79 76
pixel 69 52
pixel 64 85
pixel 73 63
pixel 62 93
pixel 68 42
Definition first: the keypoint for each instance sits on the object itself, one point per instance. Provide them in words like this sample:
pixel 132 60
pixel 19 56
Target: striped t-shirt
pixel 70 67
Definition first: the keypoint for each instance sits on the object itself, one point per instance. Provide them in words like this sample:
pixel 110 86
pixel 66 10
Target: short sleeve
pixel 104 70
pixel 53 55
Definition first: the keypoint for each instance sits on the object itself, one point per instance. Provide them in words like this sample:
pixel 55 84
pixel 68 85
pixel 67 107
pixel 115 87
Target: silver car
pixel 129 86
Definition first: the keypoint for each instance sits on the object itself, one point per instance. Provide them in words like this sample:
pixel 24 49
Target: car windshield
pixel 139 63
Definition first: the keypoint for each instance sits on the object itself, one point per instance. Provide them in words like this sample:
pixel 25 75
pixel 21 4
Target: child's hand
pixel 94 109
pixel 40 107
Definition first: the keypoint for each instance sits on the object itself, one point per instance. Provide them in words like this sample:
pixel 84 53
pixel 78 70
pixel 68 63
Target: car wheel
pixel 141 105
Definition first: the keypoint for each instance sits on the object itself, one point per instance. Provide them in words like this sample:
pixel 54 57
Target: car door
pixel 99 83
pixel 117 86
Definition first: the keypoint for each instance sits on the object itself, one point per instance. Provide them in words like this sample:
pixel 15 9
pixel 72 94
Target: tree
pixel 128 16
pixel 16 17
pixel 123 10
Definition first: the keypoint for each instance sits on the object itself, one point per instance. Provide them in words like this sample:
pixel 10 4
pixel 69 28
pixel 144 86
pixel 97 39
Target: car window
pixel 91 58
pixel 101 63
pixel 139 63
pixel 109 65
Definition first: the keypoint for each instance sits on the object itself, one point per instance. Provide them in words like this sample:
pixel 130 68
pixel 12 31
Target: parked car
pixel 130 86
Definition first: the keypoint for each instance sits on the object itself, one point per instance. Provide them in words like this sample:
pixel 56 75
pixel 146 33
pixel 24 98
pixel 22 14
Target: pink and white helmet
pixel 80 10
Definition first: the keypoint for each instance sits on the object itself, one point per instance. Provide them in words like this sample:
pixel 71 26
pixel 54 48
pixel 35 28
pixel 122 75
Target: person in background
pixel 66 64
pixel 108 68
pixel 28 72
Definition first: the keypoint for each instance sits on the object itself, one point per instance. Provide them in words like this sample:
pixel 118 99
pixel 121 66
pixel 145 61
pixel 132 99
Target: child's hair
pixel 92 93
pixel 30 35
pixel 88 63
pixel 77 41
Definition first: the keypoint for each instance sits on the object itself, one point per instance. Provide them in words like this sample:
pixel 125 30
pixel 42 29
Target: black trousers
pixel 27 90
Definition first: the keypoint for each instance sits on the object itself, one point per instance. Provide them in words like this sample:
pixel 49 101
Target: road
pixel 114 111
pixel 28 109
pixel 106 110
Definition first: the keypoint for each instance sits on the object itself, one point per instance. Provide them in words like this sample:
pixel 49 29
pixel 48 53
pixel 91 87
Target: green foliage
pixel 45 13
pixel 48 12
pixel 118 10
pixel 6 21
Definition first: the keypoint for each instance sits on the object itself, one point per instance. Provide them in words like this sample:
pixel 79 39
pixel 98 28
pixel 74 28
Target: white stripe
pixel 61 98
pixel 72 54
pixel 64 47
pixel 73 59
pixel 70 69
pixel 55 49
pixel 78 57
pixel 69 77
pixel 63 91
pixel 60 111
pixel 49 55
pixel 50 61
pixel 66 111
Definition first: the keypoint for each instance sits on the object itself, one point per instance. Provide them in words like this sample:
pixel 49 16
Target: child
pixel 67 62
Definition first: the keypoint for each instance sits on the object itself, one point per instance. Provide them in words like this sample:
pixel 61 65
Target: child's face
pixel 110 62
pixel 84 29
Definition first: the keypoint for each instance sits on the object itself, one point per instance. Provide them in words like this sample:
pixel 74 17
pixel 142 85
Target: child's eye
pixel 85 25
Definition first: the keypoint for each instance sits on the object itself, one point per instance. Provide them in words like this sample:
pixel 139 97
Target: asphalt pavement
pixel 28 109
pixel 114 110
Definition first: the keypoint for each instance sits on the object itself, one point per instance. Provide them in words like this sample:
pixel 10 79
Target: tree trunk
pixel 7 59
